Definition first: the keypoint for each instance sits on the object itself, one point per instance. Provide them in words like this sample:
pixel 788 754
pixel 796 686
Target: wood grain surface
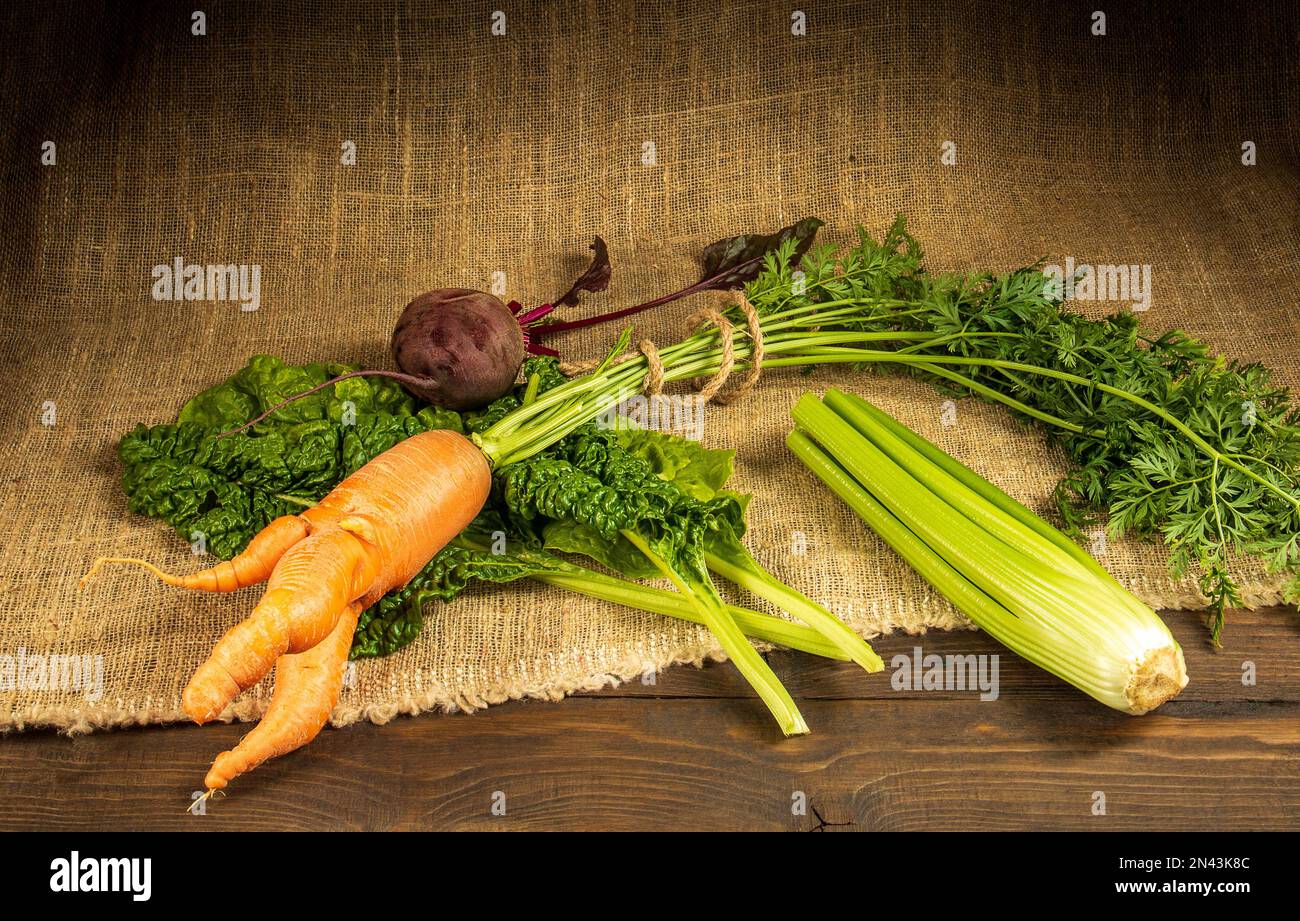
pixel 694 750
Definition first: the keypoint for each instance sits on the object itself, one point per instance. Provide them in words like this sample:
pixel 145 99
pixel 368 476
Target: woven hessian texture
pixel 478 153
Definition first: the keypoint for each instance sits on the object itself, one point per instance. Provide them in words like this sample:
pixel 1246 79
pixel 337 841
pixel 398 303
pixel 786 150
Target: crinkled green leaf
pixel 616 553
pixel 267 380
pixel 582 494
pixel 225 490
pixel 228 489
pixel 696 470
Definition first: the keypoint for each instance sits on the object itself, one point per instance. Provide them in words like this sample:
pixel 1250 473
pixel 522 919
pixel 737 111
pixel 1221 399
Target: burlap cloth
pixel 478 154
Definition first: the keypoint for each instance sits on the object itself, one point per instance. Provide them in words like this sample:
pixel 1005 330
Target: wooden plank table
pixel 695 750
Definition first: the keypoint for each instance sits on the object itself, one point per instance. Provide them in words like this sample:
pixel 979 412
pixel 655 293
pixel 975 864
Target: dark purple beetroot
pixel 466 344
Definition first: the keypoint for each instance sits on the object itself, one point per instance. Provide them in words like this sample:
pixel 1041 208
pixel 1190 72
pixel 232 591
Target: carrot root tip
pixel 127 560
pixel 212 791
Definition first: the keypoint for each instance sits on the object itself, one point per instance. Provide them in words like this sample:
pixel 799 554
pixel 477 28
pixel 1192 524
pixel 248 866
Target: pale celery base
pixel 1160 675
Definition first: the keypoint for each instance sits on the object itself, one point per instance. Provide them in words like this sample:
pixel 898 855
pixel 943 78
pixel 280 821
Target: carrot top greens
pixel 1169 439
pixel 1166 437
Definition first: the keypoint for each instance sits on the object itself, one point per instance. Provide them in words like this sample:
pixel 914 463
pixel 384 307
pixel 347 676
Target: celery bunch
pixel 1010 572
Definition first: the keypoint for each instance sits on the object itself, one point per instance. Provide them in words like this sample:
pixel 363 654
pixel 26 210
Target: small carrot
pixel 307 686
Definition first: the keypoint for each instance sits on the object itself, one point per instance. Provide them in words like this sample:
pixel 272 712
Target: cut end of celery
pixel 797 727
pixel 1160 676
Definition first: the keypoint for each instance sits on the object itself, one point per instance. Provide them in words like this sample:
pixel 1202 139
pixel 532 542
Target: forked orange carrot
pixel 371 534
pixel 307 591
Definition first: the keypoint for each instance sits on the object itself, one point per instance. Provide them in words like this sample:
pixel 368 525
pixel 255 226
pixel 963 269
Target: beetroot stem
pixel 394 375
pixel 547 329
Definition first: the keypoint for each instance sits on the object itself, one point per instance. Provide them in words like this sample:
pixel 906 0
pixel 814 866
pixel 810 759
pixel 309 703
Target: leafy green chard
pixel 224 490
pixel 227 489
pixel 586 494
pixel 266 381
pixel 701 473
pixel 646 505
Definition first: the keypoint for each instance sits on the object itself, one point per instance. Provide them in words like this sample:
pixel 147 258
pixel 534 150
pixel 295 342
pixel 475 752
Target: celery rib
pixel 940 481
pixel 1003 572
pixel 754 624
pixel 751 665
pixel 744 570
pixel 1007 570
pixel 1002 624
pixel 974 481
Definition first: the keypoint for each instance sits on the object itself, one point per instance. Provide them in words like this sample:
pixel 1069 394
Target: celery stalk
pixel 999 567
pixel 943 484
pixel 987 505
pixel 971 479
pixel 732 561
pixel 950 583
pixel 1002 571
pixel 713 611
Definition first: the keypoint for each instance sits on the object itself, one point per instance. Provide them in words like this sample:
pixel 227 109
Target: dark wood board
pixel 696 751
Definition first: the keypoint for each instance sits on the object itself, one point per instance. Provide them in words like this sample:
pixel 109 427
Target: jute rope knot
pixel 654 375
pixel 710 388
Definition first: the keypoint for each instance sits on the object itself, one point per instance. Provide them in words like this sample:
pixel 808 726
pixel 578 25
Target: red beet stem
pixel 548 329
pixel 394 375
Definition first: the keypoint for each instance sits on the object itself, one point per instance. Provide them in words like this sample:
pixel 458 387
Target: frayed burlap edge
pixel 74 721
pixel 82 720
